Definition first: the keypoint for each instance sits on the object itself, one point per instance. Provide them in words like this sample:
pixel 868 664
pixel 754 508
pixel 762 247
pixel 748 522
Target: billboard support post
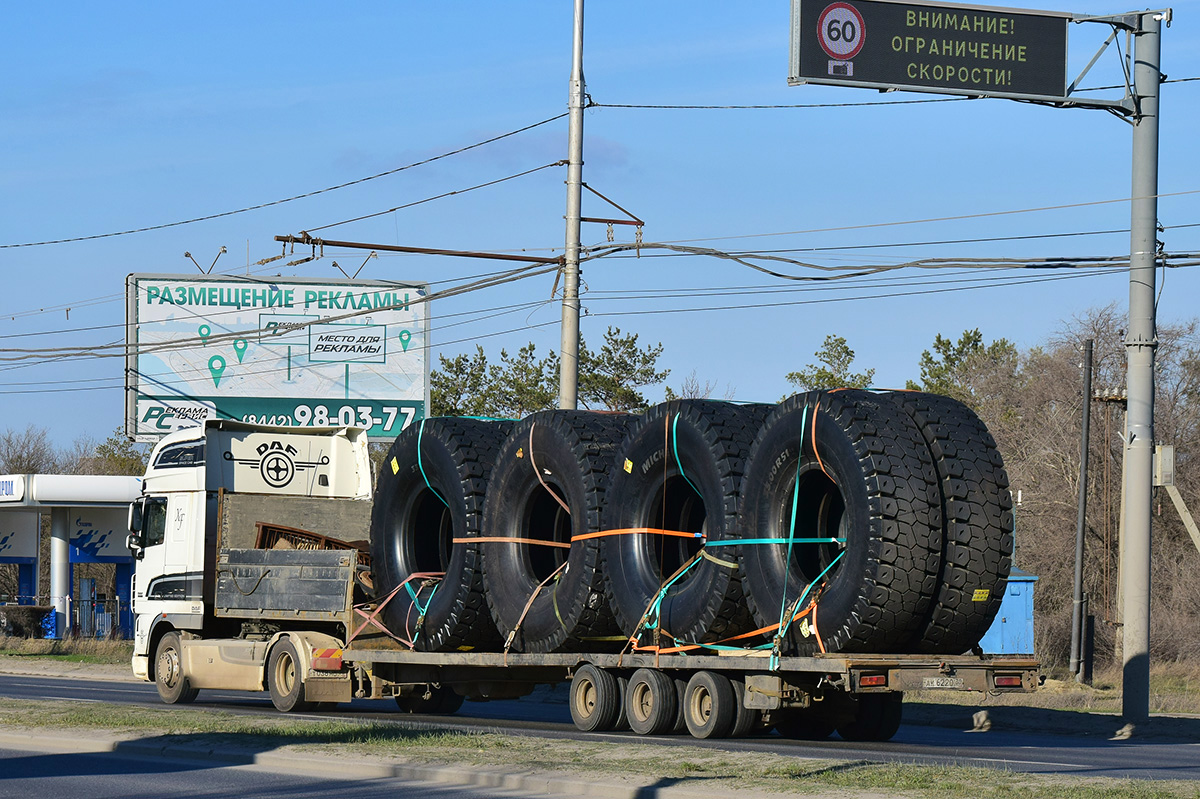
pixel 1140 345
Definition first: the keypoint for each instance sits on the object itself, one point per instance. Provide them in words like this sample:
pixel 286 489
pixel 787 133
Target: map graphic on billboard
pixel 278 351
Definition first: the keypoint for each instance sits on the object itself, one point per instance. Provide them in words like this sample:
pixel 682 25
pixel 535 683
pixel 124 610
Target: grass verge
pixel 80 650
pixel 634 762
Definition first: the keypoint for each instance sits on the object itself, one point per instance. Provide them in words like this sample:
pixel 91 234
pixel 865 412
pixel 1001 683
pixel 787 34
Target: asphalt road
pixel 1014 751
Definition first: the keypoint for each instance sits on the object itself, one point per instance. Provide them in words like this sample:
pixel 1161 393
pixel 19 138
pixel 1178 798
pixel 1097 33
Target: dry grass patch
pixel 72 650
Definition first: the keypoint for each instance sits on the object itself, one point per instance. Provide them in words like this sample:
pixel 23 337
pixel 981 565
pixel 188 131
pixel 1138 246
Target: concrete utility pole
pixel 1140 345
pixel 568 356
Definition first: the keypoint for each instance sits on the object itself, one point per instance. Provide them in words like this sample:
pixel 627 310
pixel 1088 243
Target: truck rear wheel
pixel 745 720
pixel 284 681
pixel 803 724
pixel 847 476
pixel 595 699
pixel 651 702
pixel 169 677
pixel 709 705
pixel 438 700
pixel 877 718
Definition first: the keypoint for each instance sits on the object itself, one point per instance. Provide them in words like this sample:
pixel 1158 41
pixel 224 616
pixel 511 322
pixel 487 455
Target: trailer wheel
pixel 745 720
pixel 651 702
pixel 439 700
pixel 709 705
pixel 430 492
pixel 877 718
pixel 806 724
pixel 548 595
pixel 284 682
pixel 622 714
pixel 596 700
pixel 850 469
pixel 682 471
pixel 977 523
pixel 169 677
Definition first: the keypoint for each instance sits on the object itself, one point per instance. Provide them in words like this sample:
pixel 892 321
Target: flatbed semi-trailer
pixel 216 610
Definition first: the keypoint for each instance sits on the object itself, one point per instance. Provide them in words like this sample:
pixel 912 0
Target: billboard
pixel 931 47
pixel 278 351
pixel 98 535
pixel 19 536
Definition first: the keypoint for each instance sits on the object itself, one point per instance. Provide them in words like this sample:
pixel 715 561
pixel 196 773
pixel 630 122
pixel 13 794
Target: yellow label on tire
pixel 395 466
pixel 981 595
pixel 628 466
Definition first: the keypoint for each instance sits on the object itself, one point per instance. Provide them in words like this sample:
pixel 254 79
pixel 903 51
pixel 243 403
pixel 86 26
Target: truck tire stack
pixel 836 521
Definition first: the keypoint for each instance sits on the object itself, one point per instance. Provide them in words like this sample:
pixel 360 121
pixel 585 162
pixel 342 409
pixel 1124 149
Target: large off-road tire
pixel 284 678
pixel 551 455
pixel 680 469
pixel 859 472
pixel 169 676
pixel 977 518
pixel 431 491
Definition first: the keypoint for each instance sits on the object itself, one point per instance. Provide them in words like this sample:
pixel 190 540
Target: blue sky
pixel 122 116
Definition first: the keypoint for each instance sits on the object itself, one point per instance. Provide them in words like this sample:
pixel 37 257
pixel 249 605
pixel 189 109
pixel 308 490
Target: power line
pixel 441 196
pixel 955 218
pixel 286 199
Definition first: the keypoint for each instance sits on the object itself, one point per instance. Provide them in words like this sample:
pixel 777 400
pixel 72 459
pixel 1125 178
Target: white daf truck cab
pixel 206 490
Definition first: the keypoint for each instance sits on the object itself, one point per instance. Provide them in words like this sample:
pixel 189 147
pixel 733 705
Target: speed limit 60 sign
pixel 841 31
pixel 923 46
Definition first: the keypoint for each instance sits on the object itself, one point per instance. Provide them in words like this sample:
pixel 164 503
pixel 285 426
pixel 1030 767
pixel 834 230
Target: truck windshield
pixel 154 524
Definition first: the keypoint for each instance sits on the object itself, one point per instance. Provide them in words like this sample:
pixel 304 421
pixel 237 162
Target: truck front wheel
pixel 172 683
pixel 283 678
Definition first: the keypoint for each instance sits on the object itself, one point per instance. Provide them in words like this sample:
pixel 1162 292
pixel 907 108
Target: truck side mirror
pixel 134 541
pixel 135 517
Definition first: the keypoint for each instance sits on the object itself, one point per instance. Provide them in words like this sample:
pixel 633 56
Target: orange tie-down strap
pixel 582 537
pixel 670 650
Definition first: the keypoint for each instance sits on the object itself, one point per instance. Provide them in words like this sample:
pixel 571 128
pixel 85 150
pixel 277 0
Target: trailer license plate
pixel 942 682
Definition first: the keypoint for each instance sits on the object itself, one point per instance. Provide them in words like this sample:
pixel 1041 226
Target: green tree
pixel 613 377
pixel 460 386
pixel 956 369
pixel 832 370
pixel 522 383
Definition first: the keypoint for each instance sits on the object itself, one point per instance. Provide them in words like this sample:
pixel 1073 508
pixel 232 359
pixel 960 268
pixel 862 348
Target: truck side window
pixel 189 453
pixel 154 524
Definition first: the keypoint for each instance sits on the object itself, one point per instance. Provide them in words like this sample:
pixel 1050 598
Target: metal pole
pixel 1140 346
pixel 1081 516
pixel 60 568
pixel 568 356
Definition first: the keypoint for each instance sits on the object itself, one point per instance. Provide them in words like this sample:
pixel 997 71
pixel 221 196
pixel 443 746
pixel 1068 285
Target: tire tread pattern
pixel 978 522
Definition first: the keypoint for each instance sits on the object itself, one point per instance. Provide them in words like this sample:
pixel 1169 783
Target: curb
pixel 361 769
